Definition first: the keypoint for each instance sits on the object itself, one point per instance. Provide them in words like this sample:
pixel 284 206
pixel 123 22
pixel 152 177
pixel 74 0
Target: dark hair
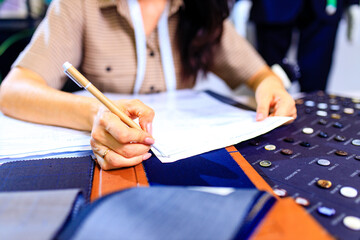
pixel 199 33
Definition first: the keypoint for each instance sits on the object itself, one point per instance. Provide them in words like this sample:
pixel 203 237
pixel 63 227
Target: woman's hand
pixel 273 100
pixel 114 144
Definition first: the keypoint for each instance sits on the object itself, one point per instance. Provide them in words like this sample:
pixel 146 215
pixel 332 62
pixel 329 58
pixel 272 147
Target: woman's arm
pixel 26 96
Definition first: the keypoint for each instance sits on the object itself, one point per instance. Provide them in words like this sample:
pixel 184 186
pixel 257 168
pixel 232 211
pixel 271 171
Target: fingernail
pixel 149 141
pixel 146 156
pixel 259 117
pixel 149 128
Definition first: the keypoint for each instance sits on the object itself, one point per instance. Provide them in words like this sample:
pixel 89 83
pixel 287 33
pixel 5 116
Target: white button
pixel 310 103
pixel 323 162
pixel 348 192
pixel 308 130
pixel 322 106
pixel 352 222
pixel 349 110
pixel 321 113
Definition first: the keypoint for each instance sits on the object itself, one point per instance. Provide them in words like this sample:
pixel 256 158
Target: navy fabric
pixel 47 174
pixel 215 168
pixel 170 213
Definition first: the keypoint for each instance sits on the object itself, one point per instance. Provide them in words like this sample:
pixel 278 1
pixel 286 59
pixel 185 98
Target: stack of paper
pixel 186 123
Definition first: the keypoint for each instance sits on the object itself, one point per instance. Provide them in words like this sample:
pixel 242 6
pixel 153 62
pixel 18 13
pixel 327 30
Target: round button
pixel 322 106
pixel 349 110
pixel 352 222
pixel 348 192
pixel 286 151
pixel 323 134
pixel 310 103
pixel 280 192
pixel 323 162
pixel 322 122
pixel 337 125
pixel 341 153
pixel 335 116
pixel 302 201
pixel 270 147
pixel 254 142
pixel 265 163
pixel 334 107
pixel 340 138
pixel 321 113
pixel 289 140
pixel 357 157
pixel 355 142
pixel 305 144
pixel 326 211
pixel 308 130
pixel 324 183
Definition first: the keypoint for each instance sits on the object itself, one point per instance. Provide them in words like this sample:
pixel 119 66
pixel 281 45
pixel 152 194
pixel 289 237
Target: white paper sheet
pixel 186 123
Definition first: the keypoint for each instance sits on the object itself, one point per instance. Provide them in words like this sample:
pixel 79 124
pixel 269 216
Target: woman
pixel 131 46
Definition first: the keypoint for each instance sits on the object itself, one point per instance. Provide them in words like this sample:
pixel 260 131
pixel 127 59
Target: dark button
pixel 322 121
pixel 287 151
pixel 152 53
pixel 305 144
pixel 338 125
pixel 341 153
pixel 254 142
pixel 108 69
pixel 308 110
pixel 289 140
pixel 323 134
pixel 340 138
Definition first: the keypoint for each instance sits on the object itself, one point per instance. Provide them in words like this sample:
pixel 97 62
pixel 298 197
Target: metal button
pixel 341 153
pixel 270 147
pixel 265 163
pixel 323 134
pixel 335 116
pixel 323 162
pixel 348 192
pixel 308 130
pixel 305 144
pixel 302 201
pixel 326 211
pixel 324 183
pixel 340 138
pixel 355 142
pixel 286 151
pixel 352 222
pixel 280 192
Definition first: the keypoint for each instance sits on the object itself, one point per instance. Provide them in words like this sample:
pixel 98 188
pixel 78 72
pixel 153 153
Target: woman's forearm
pixel 26 96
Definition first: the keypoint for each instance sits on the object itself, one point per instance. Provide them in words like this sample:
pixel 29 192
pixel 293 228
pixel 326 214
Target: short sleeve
pixel 236 60
pixel 57 39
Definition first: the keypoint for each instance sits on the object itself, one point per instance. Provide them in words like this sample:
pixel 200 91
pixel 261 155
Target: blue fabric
pixel 170 213
pixel 215 168
pixel 47 174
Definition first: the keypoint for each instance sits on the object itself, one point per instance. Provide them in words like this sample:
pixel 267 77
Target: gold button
pixel 324 183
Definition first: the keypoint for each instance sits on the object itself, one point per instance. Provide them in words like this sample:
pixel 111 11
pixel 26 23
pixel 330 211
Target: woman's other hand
pixel 273 100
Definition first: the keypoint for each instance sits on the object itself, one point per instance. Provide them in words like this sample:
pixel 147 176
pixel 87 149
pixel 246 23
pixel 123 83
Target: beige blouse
pixel 97 37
